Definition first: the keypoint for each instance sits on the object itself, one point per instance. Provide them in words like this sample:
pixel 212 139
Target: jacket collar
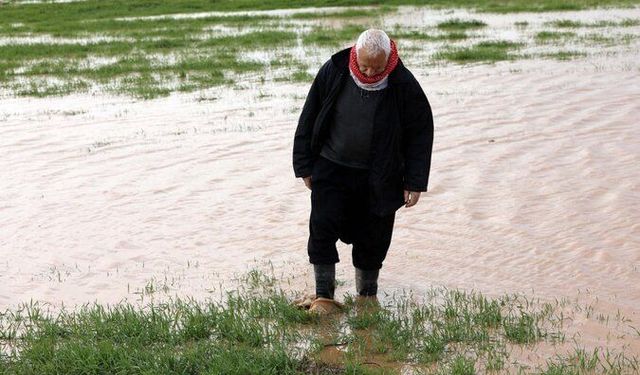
pixel 341 61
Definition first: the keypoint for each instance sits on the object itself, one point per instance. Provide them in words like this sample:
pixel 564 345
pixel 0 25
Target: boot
pixel 325 275
pixel 367 282
pixel 324 304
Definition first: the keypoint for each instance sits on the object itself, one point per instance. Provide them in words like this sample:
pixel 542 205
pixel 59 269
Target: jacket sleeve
pixel 417 139
pixel 302 155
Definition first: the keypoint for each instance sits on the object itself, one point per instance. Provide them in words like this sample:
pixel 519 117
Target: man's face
pixel 369 64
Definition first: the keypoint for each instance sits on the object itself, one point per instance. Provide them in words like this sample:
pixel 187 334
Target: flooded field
pixel 534 189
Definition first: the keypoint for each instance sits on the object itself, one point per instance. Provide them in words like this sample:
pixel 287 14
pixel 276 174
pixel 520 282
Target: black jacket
pixel 402 134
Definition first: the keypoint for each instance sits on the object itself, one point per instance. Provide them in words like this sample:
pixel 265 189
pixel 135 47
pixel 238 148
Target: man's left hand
pixel 411 198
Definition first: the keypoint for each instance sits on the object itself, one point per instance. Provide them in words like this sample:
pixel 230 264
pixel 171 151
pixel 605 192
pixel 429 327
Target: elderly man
pixel 363 147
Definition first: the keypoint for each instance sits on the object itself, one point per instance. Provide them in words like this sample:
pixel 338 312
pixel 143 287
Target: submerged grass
pixel 94 46
pixel 39 89
pixel 565 23
pixel 598 361
pixel 418 35
pixel 155 27
pixel 553 36
pixel 256 329
pixel 27 13
pixel 332 37
pixel 267 39
pixel 348 13
pixel 564 55
pixel 194 63
pixel 488 51
pixel 459 24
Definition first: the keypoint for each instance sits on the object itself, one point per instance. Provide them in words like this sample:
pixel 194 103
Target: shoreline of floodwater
pixel 257 329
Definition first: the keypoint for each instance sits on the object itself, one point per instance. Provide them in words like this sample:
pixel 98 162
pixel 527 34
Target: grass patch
pixel 333 37
pixel 241 336
pixel 460 365
pixel 565 23
pixel 256 329
pixel 600 39
pixel 254 40
pixel 459 24
pixel 195 63
pixel 150 57
pixel 28 13
pixel 25 52
pixel 41 89
pixel 490 51
pixel 302 76
pixel 138 28
pixel 553 36
pixel 565 55
pixel 142 86
pixel 418 35
pixel 581 361
pixel 341 36
pixel 349 13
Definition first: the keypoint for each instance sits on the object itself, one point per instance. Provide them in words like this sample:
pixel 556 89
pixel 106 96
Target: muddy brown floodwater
pixel 534 188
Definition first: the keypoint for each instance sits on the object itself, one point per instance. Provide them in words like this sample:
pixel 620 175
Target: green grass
pixel 123 8
pixel 333 37
pixel 489 51
pixel 302 76
pixel 553 36
pixel 195 63
pixel 255 329
pixel 253 40
pixel 459 24
pixel 422 36
pixel 565 55
pixel 600 39
pixel 40 89
pixel 348 13
pixel 163 27
pixel 460 365
pixel 565 23
pixel 149 58
pixel 598 361
pixel 182 337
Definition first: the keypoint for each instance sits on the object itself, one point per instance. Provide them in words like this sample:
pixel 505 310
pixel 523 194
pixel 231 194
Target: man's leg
pixel 367 282
pixel 325 276
pixel 370 246
pixel 328 201
pixel 372 241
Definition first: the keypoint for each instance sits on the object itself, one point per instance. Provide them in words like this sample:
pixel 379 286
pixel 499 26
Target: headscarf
pixel 377 82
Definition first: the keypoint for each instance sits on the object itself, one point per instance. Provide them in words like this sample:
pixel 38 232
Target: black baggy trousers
pixel 340 210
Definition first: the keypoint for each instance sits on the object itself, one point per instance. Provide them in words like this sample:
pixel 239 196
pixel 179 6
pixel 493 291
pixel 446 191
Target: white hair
pixel 374 41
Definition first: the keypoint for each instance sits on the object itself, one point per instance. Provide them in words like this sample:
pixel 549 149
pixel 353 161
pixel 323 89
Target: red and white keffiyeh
pixel 377 82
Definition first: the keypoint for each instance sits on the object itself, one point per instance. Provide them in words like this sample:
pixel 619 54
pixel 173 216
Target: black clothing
pixel 367 282
pixel 325 275
pixel 400 153
pixel 339 210
pixel 349 141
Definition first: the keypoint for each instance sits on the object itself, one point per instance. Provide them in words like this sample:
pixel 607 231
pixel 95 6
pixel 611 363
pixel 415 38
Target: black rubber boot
pixel 367 282
pixel 325 275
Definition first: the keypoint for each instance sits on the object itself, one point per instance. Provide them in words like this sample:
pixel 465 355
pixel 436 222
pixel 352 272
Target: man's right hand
pixel 307 181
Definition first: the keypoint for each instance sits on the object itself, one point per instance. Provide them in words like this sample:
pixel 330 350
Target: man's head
pixel 372 51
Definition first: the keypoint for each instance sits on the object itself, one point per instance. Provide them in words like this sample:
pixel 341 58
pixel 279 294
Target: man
pixel 363 146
